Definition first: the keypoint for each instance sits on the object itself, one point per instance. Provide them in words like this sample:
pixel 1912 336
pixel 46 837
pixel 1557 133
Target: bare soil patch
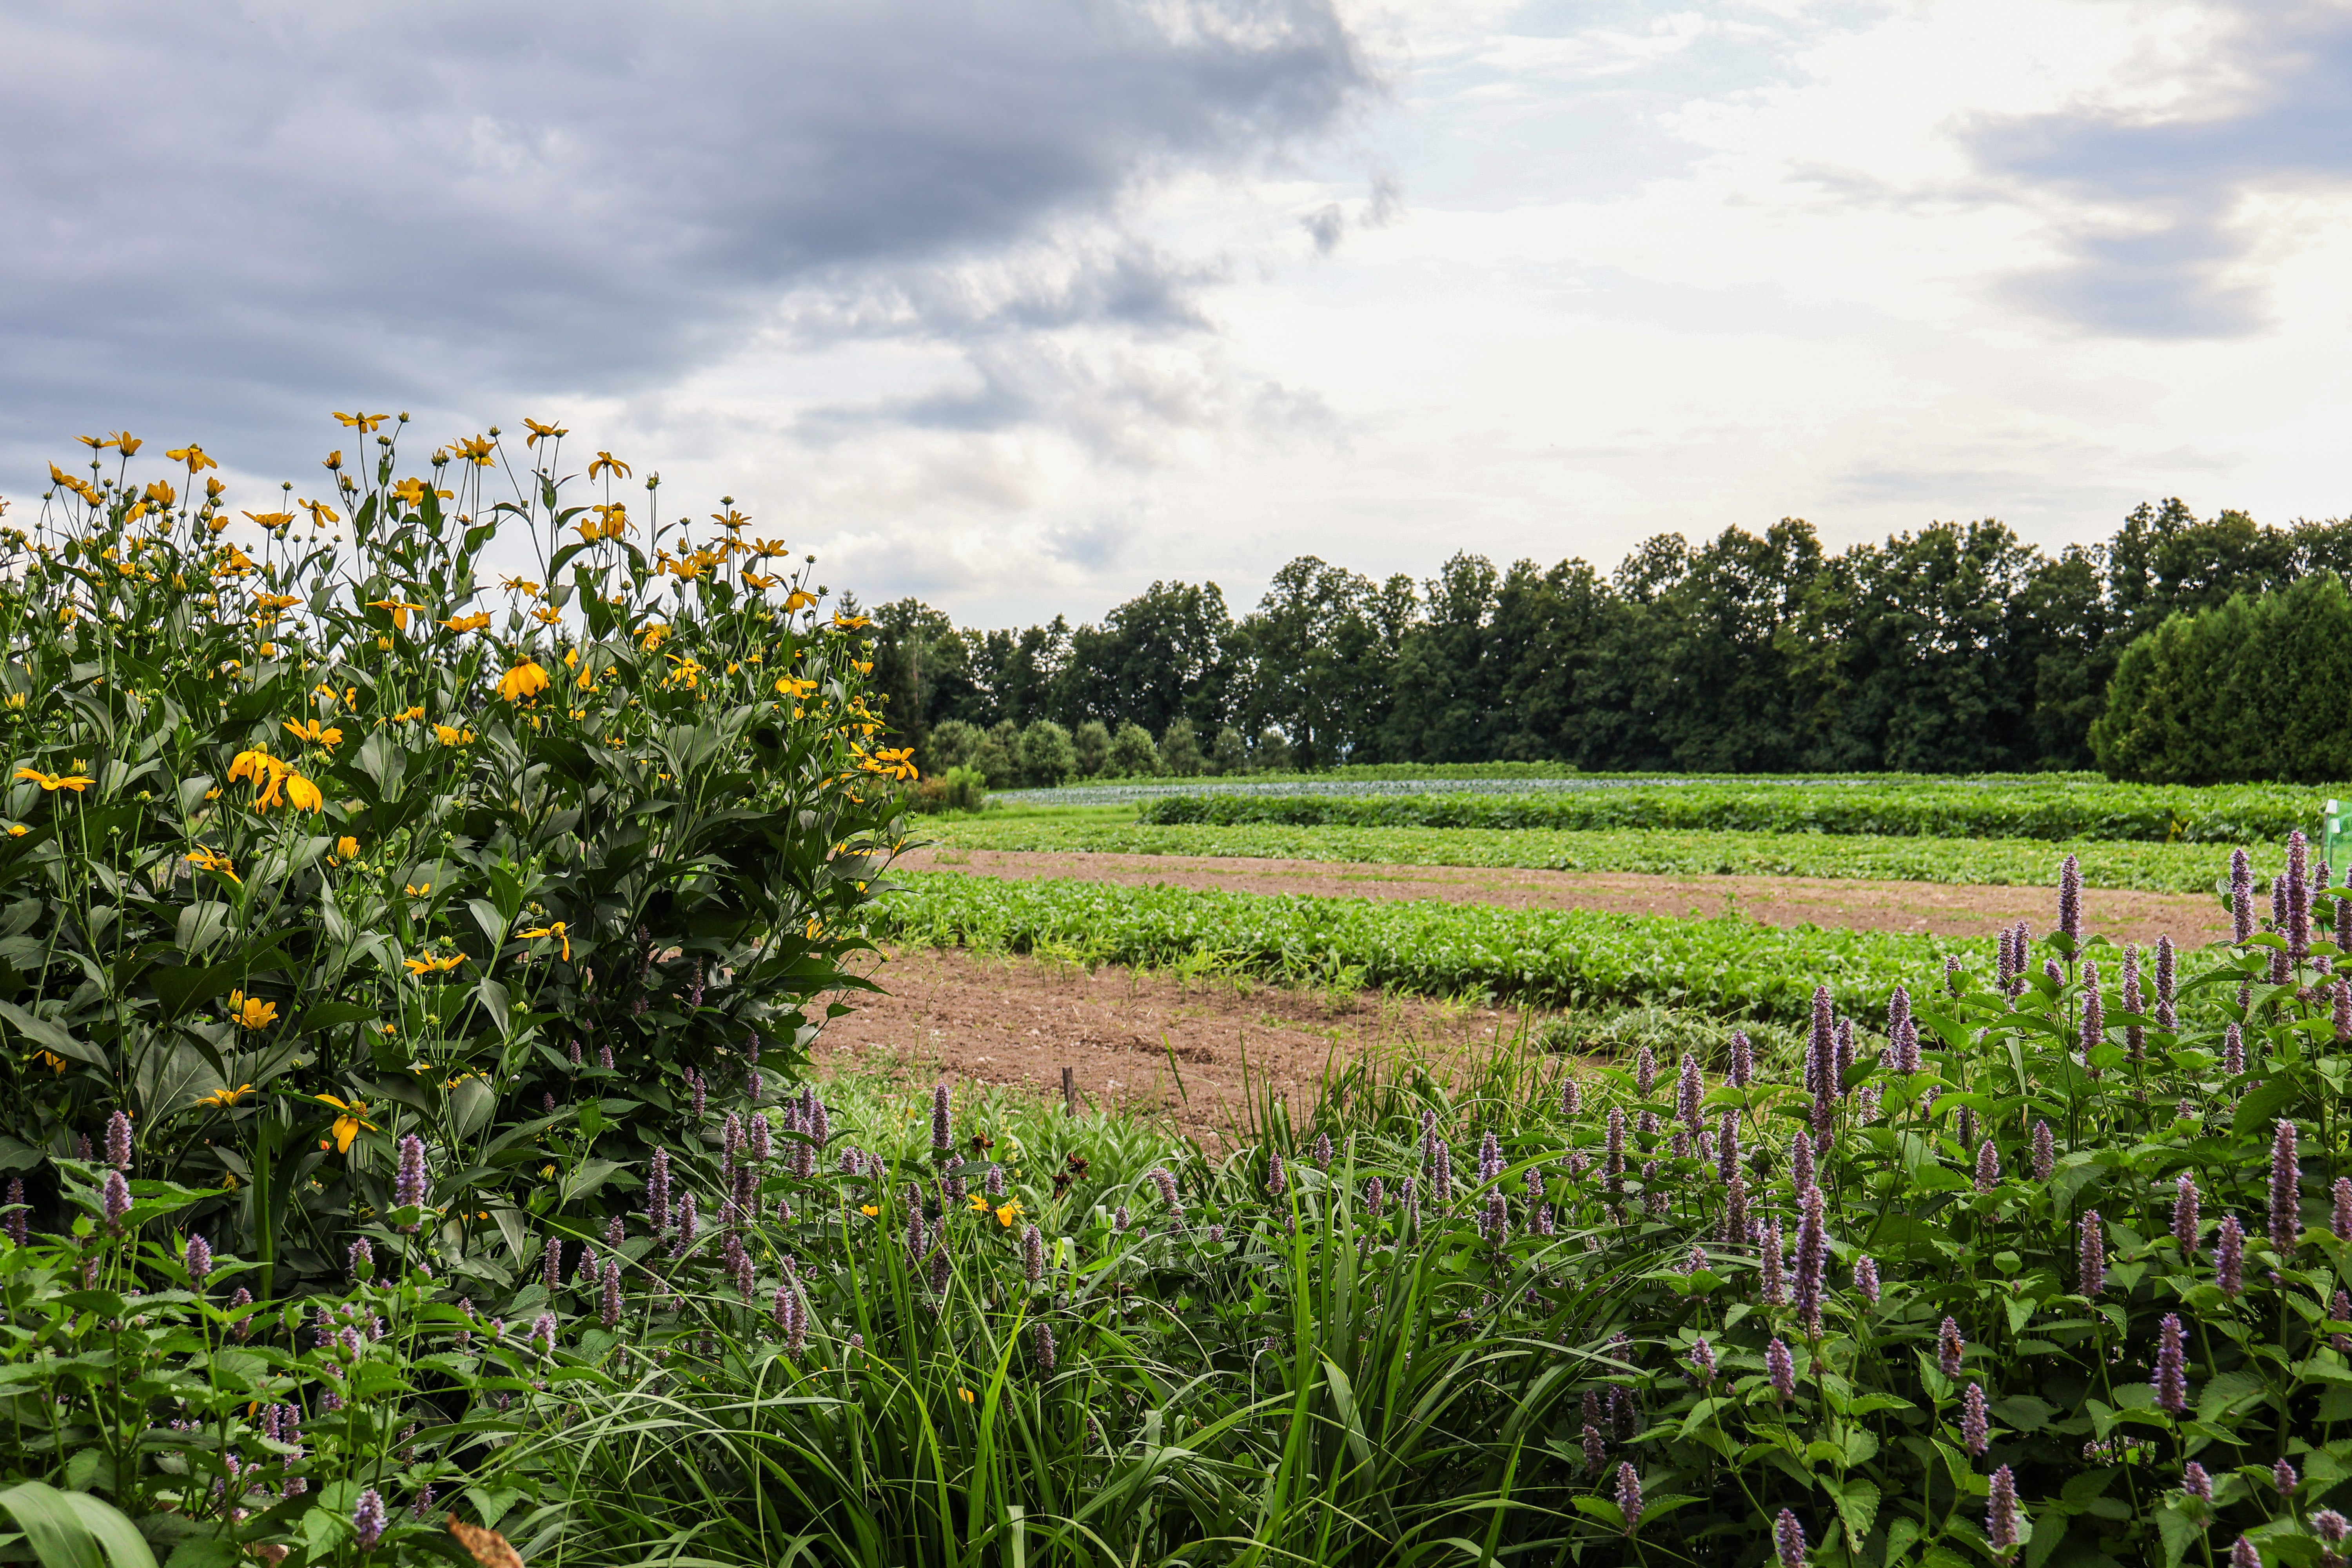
pixel 1943 908
pixel 1138 1039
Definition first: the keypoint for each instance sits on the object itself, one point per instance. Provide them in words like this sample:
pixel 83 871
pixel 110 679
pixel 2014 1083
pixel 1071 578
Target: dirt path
pixel 1944 908
pixel 1018 1021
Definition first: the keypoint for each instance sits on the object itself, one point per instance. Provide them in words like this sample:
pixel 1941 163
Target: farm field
pixel 2182 869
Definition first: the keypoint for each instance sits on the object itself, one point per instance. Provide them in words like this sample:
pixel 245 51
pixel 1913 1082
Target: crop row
pixel 1994 862
pixel 1540 957
pixel 2244 814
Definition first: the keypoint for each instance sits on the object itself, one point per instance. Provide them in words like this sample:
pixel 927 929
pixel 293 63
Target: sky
pixel 1019 308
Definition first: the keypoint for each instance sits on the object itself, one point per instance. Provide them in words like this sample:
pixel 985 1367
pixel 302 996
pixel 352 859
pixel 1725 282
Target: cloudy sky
pixel 1020 307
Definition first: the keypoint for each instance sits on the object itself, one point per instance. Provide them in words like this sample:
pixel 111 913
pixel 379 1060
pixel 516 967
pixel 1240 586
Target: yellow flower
pixel 475 449
pixel 276 601
pixel 321 513
pixel 548 616
pixel 17 830
pixel 52 783
pixel 414 891
pixel 849 623
pixel 524 682
pixel 554 928
pixel 224 1098
pixel 731 519
pixel 472 623
pixel 606 463
pixel 979 1200
pixel 451 735
pixel 759 580
pixel 191 453
pixel 399 608
pixel 1009 1213
pixel 212 860
pixel 95 442
pixel 793 686
pixel 965 1394
pixel 799 599
pixel 311 731
pixel 162 493
pixel 538 430
pixel 435 965
pixel 519 585
pixel 408 713
pixel 410 491
pixel 365 423
pixel 347 1125
pixel 251 1012
pixel 868 1210
pixel 302 795
pixel 652 638
pixel 346 847
pixel 50 1059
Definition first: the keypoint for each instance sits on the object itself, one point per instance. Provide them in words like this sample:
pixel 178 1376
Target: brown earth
pixel 1944 908
pixel 971 1018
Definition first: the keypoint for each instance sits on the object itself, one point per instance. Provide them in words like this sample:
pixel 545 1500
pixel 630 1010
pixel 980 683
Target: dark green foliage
pixel 2254 688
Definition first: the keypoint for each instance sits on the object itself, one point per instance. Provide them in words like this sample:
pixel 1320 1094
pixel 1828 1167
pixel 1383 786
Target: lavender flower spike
pixel 2171 1377
pixel 2230 1257
pixel 2092 1254
pixel 1949 1349
pixel 1788 1541
pixel 1812 1259
pixel 2195 1482
pixel 2095 1013
pixel 942 1129
pixel 409 1187
pixel 368 1519
pixel 118 1201
pixel 2165 960
pixel 2184 1223
pixel 2286 1198
pixel 1628 1497
pixel 2283 1476
pixel 2003 1516
pixel 1975 1424
pixel 1645 1072
pixel 2070 900
pixel 1781 1369
pixel 2298 897
pixel 1988 1166
pixel 2341 1221
pixel 2241 896
pixel 1689 1091
pixel 118 1142
pixel 199 1256
pixel 2244 1555
pixel 1865 1279
pixel 1743 1059
pixel 2045 1153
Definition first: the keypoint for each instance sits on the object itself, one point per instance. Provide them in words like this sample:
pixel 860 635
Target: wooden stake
pixel 1069 1092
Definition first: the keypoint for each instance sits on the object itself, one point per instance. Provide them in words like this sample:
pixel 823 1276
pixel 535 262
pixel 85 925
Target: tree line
pixel 1958 648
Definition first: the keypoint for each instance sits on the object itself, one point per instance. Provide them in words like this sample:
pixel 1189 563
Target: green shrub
pixel 2254 690
pixel 1048 757
pixel 1180 750
pixel 1132 752
pixel 1091 740
pixel 1228 754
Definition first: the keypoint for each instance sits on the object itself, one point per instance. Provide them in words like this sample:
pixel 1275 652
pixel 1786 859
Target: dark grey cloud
pixel 231 215
pixel 2152 250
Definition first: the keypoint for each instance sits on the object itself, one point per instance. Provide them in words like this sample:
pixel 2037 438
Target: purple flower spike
pixel 2134 1034
pixel 2171 1378
pixel 550 1272
pixel 368 1519
pixel 1988 1166
pixel 2230 1257
pixel 1645 1072
pixel 2094 1016
pixel 1628 1497
pixel 1780 1367
pixel 16 1224
pixel 409 1187
pixel 118 1201
pixel 1490 1160
pixel 359 1261
pixel 2195 1482
pixel 1772 1285
pixel 2341 1009
pixel 1812 1259
pixel 1949 1349
pixel 2340 1222
pixel 2070 900
pixel 2297 892
pixel 2166 963
pixel 1690 1089
pixel 2184 1223
pixel 2091 1261
pixel 1032 1255
pixel 1596 1449
pixel 2331 1527
pixel 1789 1541
pixel 2286 1198
pixel 610 1314
pixel 942 1126
pixel 1571 1099
pixel 657 1192
pixel 1865 1279
pixel 1701 1360
pixel 2244 1555
pixel 2233 1051
pixel 1276 1183
pixel 2003 1516
pixel 2045 1153
pixel 199 1261
pixel 118 1142
pixel 1044 1336
pixel 2241 896
pixel 1976 1423
pixel 1743 1059
pixel 2283 1476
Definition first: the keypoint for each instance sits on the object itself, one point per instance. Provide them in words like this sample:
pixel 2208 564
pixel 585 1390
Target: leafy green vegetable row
pixel 1998 862
pixel 2239 814
pixel 1545 957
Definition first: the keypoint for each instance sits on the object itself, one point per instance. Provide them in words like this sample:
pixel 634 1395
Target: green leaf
pixel 1857 1505
pixel 74 1529
pixel 49 1036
